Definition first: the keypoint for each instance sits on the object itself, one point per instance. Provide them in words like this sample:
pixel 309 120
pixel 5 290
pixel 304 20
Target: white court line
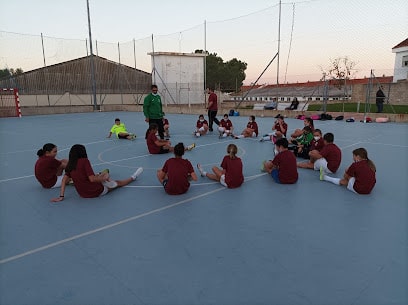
pixel 126 220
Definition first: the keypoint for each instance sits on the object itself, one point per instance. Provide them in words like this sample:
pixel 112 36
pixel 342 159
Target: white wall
pixel 400 71
pixel 179 77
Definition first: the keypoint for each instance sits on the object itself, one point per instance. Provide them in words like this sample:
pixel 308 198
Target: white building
pixel 401 61
pixel 179 77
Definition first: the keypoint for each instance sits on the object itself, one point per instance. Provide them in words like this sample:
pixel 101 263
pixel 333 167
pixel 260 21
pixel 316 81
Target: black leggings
pixel 159 123
pixel 212 117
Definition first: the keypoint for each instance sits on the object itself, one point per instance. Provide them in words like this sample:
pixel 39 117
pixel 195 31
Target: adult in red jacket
pixel 212 109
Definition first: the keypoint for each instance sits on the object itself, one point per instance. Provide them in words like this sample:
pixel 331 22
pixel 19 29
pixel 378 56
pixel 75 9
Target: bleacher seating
pixel 282 106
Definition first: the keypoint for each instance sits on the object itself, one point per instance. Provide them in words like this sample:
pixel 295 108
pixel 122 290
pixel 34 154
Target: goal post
pixel 9 103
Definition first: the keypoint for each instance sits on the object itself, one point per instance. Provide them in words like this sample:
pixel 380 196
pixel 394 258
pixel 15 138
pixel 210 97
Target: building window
pixel 405 61
pixel 288 99
pixel 310 99
pixel 282 99
pixel 317 98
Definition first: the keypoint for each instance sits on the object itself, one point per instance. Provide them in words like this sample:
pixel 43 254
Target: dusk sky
pixel 312 32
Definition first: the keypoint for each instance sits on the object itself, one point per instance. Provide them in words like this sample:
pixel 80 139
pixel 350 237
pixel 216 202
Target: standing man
pixel 212 109
pixel 152 109
pixel 379 99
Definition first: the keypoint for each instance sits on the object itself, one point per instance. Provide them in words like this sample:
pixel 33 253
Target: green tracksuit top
pixel 152 107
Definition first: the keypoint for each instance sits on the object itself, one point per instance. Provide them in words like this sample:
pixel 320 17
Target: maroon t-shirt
pixel 213 98
pixel 151 145
pixel 178 171
pixel 201 124
pixel 364 175
pixel 253 125
pixel 277 127
pixel 227 124
pixel 286 163
pixel 80 177
pixel 332 154
pixel 233 171
pixel 317 145
pixel 46 171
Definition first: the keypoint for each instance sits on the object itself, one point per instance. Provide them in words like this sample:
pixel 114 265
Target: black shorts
pixel 163 150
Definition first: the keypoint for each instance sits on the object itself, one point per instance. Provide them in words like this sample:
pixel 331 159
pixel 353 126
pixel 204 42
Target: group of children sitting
pixel 175 175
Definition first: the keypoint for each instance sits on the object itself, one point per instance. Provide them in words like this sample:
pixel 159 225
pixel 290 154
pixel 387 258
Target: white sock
pixel 198 134
pixel 332 179
pixel 201 129
pixel 266 138
pixel 240 136
pixel 225 135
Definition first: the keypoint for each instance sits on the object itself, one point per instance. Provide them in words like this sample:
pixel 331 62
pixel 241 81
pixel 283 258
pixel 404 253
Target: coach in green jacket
pixel 152 109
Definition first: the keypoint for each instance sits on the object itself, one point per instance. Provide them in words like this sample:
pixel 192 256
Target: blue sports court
pixel 263 243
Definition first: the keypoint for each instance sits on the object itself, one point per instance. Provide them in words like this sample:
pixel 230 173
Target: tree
pixel 227 76
pixel 4 73
pixel 340 70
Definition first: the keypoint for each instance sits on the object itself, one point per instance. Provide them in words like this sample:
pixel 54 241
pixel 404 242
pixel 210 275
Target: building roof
pixel 308 89
pixel 401 44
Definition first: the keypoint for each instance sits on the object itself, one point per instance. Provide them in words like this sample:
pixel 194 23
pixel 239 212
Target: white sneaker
pixel 111 184
pixel 200 170
pixel 190 147
pixel 137 173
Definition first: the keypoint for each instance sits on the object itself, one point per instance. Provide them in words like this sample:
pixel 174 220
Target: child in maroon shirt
pixel 359 177
pixel 251 129
pixel 159 146
pixel 283 167
pixel 87 184
pixel 176 173
pixel 230 174
pixel 317 142
pixel 225 127
pixel 48 169
pixel 279 130
pixel 201 126
pixel 329 158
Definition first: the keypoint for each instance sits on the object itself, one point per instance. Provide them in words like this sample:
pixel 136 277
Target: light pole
pixel 92 60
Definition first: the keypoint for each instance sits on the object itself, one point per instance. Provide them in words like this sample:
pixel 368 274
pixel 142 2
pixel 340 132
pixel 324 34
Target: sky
pixel 312 32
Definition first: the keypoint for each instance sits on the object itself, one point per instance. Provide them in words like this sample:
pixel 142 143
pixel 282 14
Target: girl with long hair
pixel 359 176
pixel 87 184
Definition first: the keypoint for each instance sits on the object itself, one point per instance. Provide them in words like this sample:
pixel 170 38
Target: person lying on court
pixel 176 173
pixel 156 145
pixel 87 184
pixel 120 130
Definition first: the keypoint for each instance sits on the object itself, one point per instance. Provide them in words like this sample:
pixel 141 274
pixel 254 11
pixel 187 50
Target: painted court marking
pixel 115 224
